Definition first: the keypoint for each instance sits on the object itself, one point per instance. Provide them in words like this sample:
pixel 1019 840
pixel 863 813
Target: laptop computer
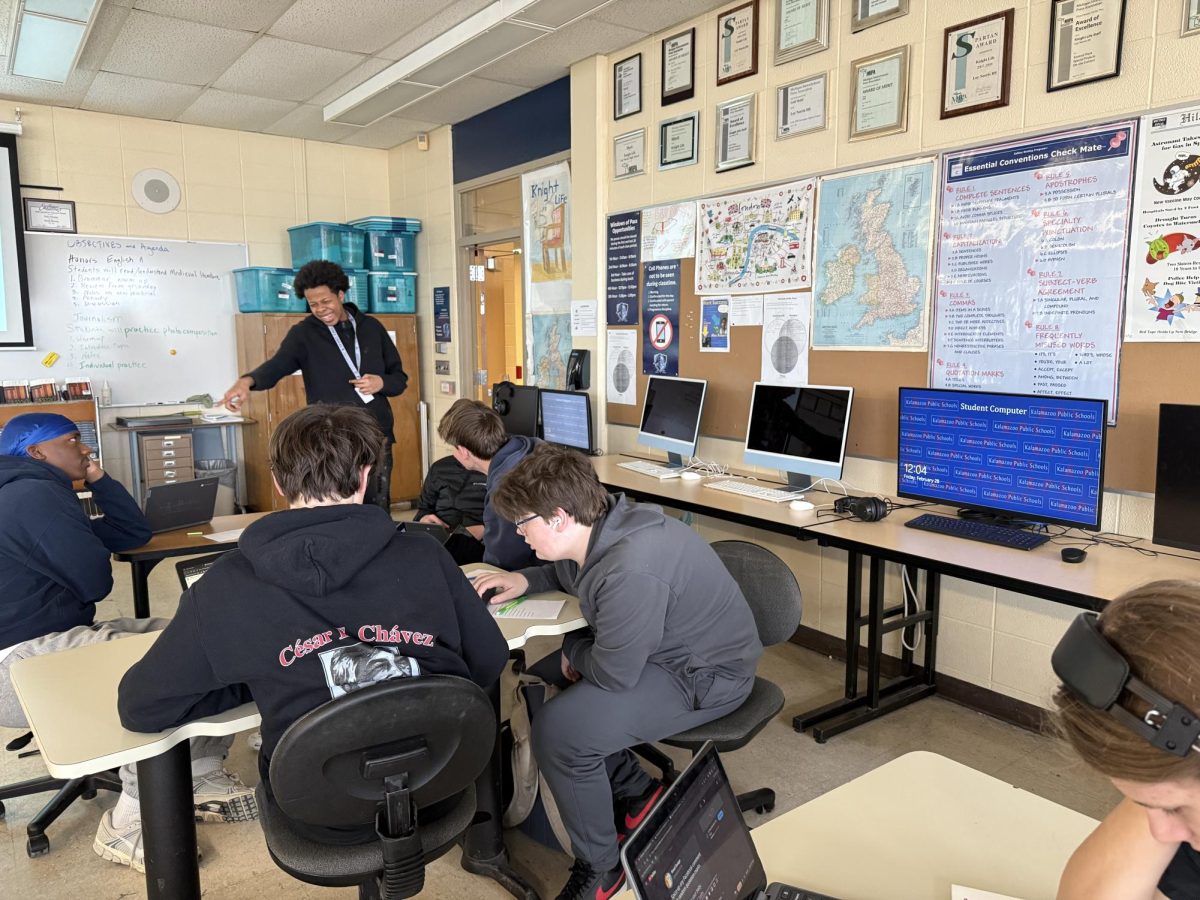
pixel 439 533
pixel 694 845
pixel 190 570
pixel 180 504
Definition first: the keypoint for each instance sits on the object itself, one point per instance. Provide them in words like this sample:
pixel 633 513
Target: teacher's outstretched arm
pixel 287 359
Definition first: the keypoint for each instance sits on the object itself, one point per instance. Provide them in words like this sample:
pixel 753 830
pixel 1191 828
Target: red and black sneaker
pixel 586 883
pixel 633 810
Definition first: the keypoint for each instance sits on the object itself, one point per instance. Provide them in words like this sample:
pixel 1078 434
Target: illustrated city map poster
pixel 756 242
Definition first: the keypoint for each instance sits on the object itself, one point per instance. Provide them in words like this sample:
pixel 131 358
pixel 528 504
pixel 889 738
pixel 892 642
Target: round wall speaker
pixel 156 191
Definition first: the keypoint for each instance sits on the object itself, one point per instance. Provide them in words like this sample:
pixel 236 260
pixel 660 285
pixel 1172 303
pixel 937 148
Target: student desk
pixel 188 541
pixel 79 733
pixel 914 827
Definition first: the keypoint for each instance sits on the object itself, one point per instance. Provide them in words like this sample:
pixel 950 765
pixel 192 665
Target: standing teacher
pixel 344 356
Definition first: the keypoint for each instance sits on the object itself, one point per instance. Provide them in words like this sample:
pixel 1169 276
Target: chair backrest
pixel 769 586
pixel 330 765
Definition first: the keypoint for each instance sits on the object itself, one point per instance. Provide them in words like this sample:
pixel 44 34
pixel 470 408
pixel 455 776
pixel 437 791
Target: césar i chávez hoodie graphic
pixel 313 604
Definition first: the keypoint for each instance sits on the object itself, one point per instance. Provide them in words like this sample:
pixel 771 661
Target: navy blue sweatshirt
pixel 54 561
pixel 309 347
pixel 502 546
pixel 314 603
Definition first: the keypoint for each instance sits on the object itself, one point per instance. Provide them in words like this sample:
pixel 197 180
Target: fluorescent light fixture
pixel 48 36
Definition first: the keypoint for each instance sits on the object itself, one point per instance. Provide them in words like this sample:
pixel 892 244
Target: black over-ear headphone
pixel 501 395
pixel 868 509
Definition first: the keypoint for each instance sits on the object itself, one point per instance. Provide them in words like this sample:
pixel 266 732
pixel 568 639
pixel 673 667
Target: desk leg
pixel 140 569
pixel 135 468
pixel 484 852
pixel 168 825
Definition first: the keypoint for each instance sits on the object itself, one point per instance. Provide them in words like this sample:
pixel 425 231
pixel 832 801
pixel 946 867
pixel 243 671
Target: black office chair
pixel 774 597
pixel 386 753
pixel 67 792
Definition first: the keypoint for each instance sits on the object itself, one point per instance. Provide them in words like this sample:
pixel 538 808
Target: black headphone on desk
pixel 868 509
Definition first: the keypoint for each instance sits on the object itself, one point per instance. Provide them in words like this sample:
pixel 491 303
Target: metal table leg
pixel 140 570
pixel 168 825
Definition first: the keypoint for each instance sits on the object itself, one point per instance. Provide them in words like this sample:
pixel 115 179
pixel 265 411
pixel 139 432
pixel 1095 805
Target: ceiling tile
pixel 110 21
pixel 360 26
pixel 372 66
pixel 31 90
pixel 652 17
pixel 285 70
pixel 461 100
pixel 129 96
pixel 387 133
pixel 239 14
pixel 306 121
pixel 222 109
pixel 433 25
pixel 550 58
pixel 166 49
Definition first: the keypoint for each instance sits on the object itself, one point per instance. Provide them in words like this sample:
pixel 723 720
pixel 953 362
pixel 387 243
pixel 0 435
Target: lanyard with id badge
pixel 356 363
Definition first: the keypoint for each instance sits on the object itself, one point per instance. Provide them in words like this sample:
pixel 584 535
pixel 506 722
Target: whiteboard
pixel 152 317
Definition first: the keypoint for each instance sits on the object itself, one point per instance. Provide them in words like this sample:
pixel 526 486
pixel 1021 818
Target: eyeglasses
pixel 521 523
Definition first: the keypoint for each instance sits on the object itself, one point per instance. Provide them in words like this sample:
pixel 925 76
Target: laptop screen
pixel 695 844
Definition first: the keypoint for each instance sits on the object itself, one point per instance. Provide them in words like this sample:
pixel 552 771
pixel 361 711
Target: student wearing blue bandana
pixel 54 569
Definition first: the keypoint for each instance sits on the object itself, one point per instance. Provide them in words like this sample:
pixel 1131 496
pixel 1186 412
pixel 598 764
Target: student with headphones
pixel 1131 686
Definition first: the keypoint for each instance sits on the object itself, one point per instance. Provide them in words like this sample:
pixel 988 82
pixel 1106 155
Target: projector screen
pixel 15 328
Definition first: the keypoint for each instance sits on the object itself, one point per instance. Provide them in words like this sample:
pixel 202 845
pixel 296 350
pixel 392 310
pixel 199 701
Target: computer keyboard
pixel 654 470
pixel 979 531
pixel 751 489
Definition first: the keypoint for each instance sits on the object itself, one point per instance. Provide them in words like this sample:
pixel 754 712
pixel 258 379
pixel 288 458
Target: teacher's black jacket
pixel 309 347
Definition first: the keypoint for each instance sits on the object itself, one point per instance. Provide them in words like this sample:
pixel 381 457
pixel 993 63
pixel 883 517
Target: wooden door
pixel 406 454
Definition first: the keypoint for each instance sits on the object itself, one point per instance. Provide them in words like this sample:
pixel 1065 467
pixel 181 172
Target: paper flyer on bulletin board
pixel 1162 294
pixel 1031 265
pixel 621 366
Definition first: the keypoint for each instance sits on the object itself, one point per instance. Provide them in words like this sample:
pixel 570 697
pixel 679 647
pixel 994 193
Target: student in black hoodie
pixel 317 601
pixel 344 357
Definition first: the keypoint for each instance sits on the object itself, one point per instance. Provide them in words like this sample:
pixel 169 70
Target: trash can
pixel 226 473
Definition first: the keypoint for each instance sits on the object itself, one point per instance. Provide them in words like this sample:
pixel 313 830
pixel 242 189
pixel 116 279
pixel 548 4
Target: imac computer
pixel 1177 481
pixel 517 405
pixel 567 419
pixel 1014 459
pixel 800 430
pixel 671 416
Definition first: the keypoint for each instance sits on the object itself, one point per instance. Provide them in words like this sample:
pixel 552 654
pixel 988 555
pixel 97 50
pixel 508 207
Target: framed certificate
pixel 879 94
pixel 629 154
pixel 50 215
pixel 865 13
pixel 1191 18
pixel 735 133
pixel 679 141
pixel 800 107
pixel 737 42
pixel 1085 42
pixel 976 65
pixel 627 86
pixel 679 67
pixel 802 28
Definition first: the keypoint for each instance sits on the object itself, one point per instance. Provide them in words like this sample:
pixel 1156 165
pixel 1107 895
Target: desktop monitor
pixel 1015 457
pixel 517 405
pixel 671 416
pixel 799 429
pixel 567 419
pixel 1177 482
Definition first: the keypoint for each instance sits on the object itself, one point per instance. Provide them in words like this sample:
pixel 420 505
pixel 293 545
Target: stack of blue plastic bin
pixel 390 256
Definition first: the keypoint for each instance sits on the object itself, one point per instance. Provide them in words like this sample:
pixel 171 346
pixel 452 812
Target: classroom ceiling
pixel 271 65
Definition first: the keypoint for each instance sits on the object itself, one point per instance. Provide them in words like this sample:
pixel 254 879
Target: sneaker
pixel 632 811
pixel 122 846
pixel 586 883
pixel 221 797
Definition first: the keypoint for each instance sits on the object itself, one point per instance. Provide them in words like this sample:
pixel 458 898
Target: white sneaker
pixel 122 846
pixel 221 797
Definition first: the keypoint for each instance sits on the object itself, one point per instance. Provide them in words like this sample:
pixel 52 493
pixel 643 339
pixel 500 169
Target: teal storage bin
pixel 394 251
pixel 360 291
pixel 326 240
pixel 386 223
pixel 267 289
pixel 393 292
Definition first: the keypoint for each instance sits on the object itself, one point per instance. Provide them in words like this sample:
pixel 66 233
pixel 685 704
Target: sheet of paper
pixel 583 318
pixel 958 892
pixel 222 537
pixel 528 609
pixel 622 374
pixel 785 338
pixel 746 309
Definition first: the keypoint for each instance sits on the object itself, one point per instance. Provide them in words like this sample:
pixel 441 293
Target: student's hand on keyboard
pixel 507 586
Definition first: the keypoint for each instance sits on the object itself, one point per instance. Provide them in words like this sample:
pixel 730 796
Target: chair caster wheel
pixel 765 808
pixel 88 795
pixel 37 845
pixel 1 810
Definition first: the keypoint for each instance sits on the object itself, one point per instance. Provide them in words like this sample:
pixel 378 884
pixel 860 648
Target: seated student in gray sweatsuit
pixel 672 644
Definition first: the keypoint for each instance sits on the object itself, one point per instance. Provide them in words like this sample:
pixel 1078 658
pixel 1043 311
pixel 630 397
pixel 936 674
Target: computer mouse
pixel 1073 554
pixel 801 505
pixel 489 593
pixel 689 476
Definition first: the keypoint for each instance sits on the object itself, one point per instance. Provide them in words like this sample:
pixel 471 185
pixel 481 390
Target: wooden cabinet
pixel 258 337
